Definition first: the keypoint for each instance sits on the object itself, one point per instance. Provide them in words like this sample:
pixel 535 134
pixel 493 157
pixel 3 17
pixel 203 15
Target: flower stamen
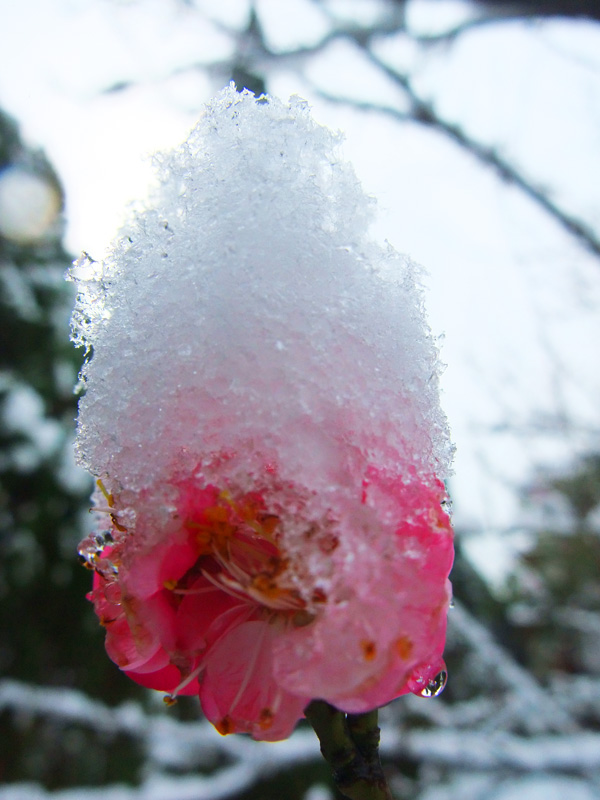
pixel 238 539
pixel 171 698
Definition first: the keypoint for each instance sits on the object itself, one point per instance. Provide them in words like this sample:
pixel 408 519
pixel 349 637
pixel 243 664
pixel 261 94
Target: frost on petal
pixel 262 409
pixel 386 611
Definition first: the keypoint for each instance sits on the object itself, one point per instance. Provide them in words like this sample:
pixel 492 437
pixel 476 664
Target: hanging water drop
pixel 435 686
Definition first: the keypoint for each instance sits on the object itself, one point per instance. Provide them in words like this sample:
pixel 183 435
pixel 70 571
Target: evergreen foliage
pixel 48 631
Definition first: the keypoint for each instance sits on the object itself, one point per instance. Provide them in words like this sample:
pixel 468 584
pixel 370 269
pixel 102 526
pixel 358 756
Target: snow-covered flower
pixel 261 411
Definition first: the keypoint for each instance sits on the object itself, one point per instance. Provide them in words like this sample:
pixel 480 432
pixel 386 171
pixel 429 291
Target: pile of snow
pixel 247 303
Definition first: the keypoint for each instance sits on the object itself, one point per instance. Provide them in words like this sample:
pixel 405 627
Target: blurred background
pixel 477 127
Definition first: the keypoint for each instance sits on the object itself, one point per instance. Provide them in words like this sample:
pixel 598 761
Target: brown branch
pixel 424 113
pixel 350 745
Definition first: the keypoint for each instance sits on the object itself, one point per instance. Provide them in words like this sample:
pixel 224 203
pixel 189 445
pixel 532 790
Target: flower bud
pixel 262 413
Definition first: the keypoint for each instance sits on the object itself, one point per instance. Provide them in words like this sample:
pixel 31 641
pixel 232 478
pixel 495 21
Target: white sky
pixel 516 297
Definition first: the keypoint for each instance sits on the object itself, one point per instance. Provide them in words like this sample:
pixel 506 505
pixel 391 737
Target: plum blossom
pixel 262 415
pixel 224 607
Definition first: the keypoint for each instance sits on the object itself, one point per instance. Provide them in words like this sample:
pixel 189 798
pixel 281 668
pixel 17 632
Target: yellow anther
pixel 302 618
pixel 115 522
pixel 318 595
pixel 369 649
pixel 266 585
pixel 265 719
pixel 225 726
pixel 404 646
pixel 216 514
pixel 108 497
pixel 268 523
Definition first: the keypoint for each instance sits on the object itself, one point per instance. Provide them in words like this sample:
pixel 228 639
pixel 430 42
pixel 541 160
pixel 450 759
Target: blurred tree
pixel 541 8
pixel 554 597
pixel 47 632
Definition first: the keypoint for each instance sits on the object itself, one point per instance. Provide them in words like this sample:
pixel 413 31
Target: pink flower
pixel 259 609
pixel 262 407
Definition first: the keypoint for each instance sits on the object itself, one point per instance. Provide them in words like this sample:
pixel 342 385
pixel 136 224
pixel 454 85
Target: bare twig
pixel 424 113
pixel 350 745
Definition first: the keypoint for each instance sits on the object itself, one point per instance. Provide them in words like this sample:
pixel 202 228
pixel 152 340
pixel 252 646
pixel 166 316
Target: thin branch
pixel 424 113
pixel 537 708
pixel 494 12
pixel 253 53
pixel 350 745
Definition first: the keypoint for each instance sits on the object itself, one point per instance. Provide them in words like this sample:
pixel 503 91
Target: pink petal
pixel 147 572
pixel 166 680
pixel 203 617
pixel 238 693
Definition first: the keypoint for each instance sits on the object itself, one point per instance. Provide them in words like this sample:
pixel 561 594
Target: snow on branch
pixel 529 695
pixel 471 750
pixel 170 744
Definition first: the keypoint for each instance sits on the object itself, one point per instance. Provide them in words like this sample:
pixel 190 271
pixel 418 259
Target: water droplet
pixel 89 551
pixel 112 592
pixel 435 686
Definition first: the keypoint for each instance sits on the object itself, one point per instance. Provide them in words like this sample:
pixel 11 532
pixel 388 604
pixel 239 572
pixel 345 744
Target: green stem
pixel 350 745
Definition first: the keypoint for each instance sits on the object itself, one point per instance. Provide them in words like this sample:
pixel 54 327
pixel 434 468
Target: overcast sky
pixel 516 296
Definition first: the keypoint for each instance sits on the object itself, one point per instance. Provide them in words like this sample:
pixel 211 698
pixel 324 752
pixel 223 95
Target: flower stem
pixel 350 745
